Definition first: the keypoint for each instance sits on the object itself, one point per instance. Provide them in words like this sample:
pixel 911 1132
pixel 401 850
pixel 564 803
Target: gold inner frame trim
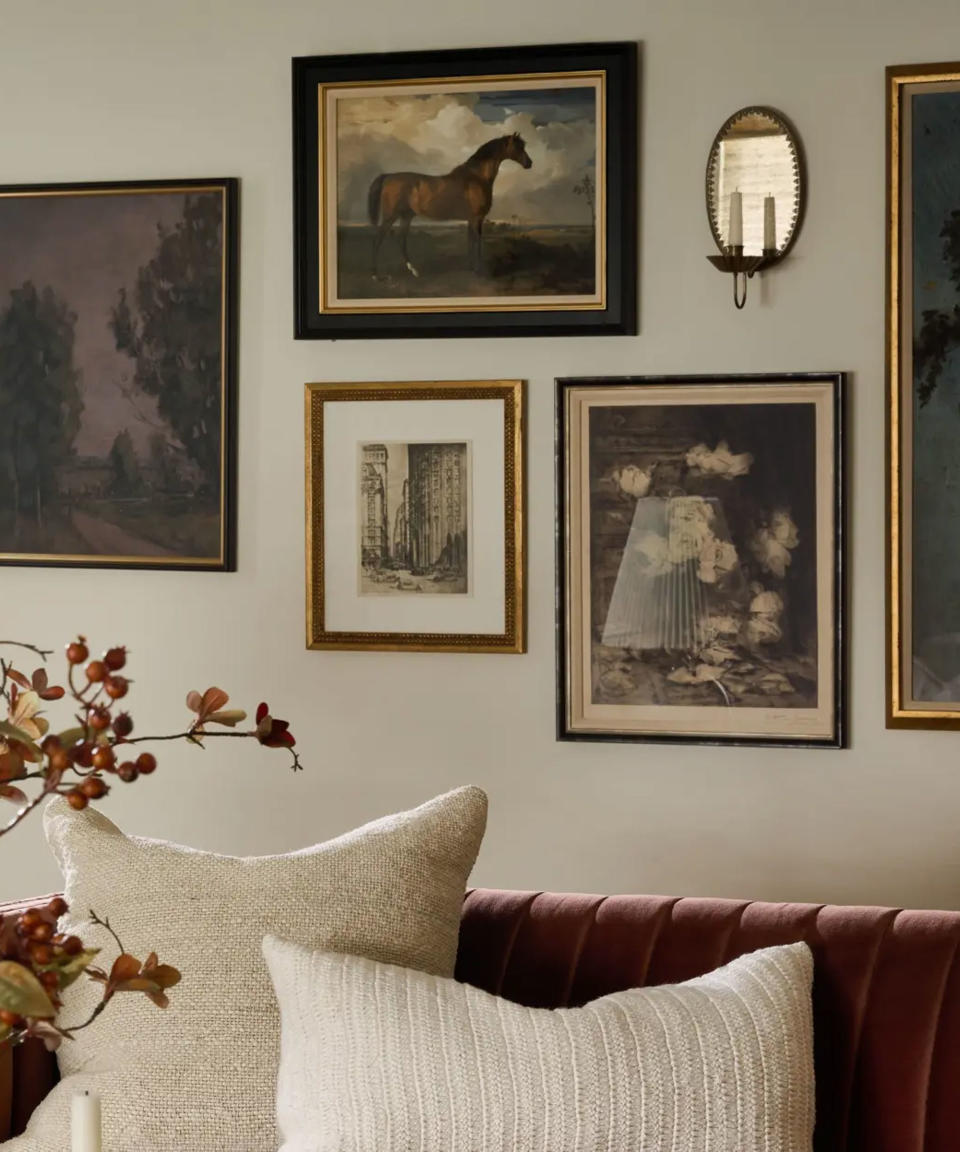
pixel 899 712
pixel 500 304
pixel 94 560
pixel 512 393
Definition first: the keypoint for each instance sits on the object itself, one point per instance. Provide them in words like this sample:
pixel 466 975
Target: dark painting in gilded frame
pixel 489 192
pixel 117 363
pixel 700 559
pixel 923 360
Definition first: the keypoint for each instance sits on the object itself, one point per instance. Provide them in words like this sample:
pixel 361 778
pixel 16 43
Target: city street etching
pixel 414 518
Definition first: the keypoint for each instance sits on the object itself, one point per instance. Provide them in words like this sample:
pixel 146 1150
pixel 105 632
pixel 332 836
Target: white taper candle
pixel 85 1122
pixel 736 220
pixel 769 223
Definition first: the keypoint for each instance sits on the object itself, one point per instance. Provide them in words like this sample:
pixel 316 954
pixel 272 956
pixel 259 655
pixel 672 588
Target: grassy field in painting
pixel 517 261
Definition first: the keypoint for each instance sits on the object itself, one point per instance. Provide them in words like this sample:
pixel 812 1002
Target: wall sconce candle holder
pixel 756 191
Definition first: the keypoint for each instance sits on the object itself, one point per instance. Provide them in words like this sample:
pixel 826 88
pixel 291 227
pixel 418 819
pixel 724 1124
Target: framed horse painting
pixel 466 193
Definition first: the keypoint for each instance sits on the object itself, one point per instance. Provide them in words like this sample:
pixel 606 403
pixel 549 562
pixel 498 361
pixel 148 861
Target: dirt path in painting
pixel 107 539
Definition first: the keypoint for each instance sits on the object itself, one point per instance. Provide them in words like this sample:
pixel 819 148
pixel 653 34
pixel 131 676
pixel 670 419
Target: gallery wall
pixel 120 90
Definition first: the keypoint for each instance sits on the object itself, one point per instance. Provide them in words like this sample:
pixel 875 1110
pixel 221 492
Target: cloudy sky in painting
pixel 434 133
pixel 86 248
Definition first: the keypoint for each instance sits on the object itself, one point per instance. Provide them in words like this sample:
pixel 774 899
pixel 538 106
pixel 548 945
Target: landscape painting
pixel 931 400
pixel 414 518
pixel 115 367
pixel 706 560
pixel 471 194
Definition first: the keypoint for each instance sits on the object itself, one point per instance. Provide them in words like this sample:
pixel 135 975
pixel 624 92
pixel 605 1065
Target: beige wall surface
pixel 114 89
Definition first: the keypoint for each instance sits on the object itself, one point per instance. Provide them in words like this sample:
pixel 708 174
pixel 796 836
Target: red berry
pixel 49 980
pixel 83 754
pixel 69 945
pixel 43 933
pixel 60 760
pixel 96 671
pixel 77 652
pixel 128 771
pixel 29 920
pixel 116 686
pixel 115 658
pixel 50 744
pixel 99 719
pixel 76 799
pixel 146 763
pixel 104 758
pixel 123 725
pixel 57 907
pixel 41 953
pixel 94 788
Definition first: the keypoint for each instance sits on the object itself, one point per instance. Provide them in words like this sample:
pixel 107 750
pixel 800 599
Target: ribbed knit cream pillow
pixel 200 1076
pixel 382 1059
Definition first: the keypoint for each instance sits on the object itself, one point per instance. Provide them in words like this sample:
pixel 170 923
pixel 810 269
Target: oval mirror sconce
pixel 756 190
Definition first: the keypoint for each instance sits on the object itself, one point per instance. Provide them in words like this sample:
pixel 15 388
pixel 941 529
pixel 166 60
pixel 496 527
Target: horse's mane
pixel 491 148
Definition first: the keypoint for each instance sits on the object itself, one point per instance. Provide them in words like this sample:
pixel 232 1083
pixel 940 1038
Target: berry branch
pixel 36 961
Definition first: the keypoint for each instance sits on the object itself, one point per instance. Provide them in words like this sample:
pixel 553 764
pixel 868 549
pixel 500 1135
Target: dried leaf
pixel 12 732
pixel 69 736
pixel 22 993
pixel 75 966
pixel 18 678
pixel 11 766
pixel 230 719
pixel 125 967
pixel 42 687
pixel 14 795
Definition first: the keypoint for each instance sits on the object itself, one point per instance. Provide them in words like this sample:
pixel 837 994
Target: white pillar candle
pixel 736 220
pixel 769 223
pixel 85 1122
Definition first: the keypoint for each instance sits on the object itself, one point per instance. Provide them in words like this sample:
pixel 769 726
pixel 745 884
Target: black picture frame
pixel 618 62
pixel 225 325
pixel 837 385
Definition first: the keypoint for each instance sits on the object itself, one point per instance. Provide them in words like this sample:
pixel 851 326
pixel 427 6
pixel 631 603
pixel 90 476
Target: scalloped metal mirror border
pixel 799 175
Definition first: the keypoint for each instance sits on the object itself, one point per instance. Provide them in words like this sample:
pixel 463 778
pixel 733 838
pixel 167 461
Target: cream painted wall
pixel 114 89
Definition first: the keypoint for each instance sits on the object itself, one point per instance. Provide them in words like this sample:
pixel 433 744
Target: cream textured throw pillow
pixel 381 1059
pixel 200 1076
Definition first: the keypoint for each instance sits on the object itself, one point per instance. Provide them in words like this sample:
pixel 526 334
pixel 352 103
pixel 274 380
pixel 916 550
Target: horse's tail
pixel 373 198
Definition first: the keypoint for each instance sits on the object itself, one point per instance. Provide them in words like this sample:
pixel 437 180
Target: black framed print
pixel 466 193
pixel 701 559
pixel 117 374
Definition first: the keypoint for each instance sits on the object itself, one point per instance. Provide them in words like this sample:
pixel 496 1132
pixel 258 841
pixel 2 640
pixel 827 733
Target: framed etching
pixel 923 359
pixel 117 374
pixel 415 516
pixel 466 193
pixel 700 559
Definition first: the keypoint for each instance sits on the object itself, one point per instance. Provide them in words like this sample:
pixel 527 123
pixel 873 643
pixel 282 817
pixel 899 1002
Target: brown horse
pixel 466 193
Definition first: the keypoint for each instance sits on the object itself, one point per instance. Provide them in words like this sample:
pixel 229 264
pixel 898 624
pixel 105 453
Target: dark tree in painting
pixel 940 331
pixel 171 330
pixel 127 480
pixel 40 400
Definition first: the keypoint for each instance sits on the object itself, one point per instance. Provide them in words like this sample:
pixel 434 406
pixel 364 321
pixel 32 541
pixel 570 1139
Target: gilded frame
pixel 228 190
pixel 512 638
pixel 903 709
pixel 614 65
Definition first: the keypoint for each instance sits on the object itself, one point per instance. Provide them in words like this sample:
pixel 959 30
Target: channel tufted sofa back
pixel 886 994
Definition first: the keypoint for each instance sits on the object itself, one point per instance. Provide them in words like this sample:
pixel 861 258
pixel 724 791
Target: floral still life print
pixel 705 594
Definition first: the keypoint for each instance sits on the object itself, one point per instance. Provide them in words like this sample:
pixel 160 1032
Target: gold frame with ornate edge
pixel 228 190
pixel 903 711
pixel 513 637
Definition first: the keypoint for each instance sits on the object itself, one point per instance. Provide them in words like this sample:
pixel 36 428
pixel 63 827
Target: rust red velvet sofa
pixel 886 994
